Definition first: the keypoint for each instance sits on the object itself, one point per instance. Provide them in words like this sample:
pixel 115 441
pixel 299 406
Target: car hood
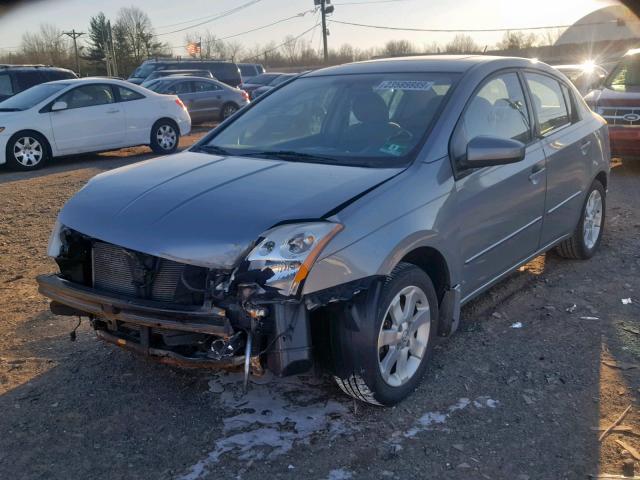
pixel 209 210
pixel 608 97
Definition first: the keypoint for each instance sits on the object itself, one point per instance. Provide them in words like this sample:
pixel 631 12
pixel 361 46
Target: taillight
pixel 245 95
pixel 180 104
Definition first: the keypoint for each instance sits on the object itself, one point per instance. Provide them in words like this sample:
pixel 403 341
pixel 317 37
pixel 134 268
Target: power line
pixel 458 30
pixel 282 20
pixel 209 20
pixel 370 2
pixel 284 43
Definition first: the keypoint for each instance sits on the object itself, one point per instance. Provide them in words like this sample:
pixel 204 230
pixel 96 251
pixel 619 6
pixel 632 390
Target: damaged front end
pixel 190 315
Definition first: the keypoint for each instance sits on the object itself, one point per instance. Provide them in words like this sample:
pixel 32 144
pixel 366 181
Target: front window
pixel 367 119
pixel 626 75
pixel 31 97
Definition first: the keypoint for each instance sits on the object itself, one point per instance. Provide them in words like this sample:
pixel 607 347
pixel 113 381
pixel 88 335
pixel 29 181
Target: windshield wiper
pixel 213 149
pixel 290 155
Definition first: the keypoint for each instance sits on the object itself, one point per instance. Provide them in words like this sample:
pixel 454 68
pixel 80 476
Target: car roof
pixel 8 66
pixel 78 81
pixel 424 63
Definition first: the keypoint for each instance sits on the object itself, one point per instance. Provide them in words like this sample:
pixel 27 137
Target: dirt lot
pixel 498 402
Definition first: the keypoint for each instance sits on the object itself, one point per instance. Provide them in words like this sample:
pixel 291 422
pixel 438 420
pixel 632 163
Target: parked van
pixel 16 78
pixel 226 72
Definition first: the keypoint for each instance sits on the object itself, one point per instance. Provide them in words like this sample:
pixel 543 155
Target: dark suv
pixel 16 78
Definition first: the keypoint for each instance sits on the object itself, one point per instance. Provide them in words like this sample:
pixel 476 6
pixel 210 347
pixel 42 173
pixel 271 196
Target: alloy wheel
pixel 167 137
pixel 228 111
pixel 592 219
pixel 28 151
pixel 403 336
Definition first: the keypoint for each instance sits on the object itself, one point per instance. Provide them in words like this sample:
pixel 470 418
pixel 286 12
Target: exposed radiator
pixel 124 272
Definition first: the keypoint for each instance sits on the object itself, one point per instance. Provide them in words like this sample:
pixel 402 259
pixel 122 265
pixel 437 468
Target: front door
pixel 92 120
pixel 501 207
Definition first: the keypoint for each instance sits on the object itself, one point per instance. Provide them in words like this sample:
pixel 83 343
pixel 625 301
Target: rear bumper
pixel 624 140
pixel 89 302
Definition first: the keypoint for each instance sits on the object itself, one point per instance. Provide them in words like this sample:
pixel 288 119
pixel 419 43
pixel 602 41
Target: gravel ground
pixel 498 402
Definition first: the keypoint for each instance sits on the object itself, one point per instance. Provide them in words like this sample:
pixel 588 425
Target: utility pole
pixel 73 34
pixel 325 8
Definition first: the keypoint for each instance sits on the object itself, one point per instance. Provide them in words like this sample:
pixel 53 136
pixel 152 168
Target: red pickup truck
pixel 618 101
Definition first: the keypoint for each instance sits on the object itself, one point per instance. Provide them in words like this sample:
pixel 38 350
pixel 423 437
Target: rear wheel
pixel 27 151
pixel 586 238
pixel 228 109
pixel 383 359
pixel 165 137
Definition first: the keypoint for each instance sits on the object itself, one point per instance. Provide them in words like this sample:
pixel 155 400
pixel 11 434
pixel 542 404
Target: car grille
pixel 137 275
pixel 628 116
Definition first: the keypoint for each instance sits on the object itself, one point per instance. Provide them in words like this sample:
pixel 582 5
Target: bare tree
pixel 517 41
pixel 291 48
pixel 462 43
pixel 233 50
pixel 48 45
pixel 397 48
pixel 550 36
pixel 135 31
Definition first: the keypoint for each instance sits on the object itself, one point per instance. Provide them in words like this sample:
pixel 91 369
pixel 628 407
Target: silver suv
pixel 343 219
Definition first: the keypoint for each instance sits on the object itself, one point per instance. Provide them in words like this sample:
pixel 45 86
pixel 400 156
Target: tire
pixel 165 137
pixel 587 236
pixel 227 110
pixel 368 345
pixel 27 151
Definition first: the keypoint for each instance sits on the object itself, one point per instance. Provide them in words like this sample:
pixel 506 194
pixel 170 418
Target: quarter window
pixel 88 96
pixel 498 109
pixel 127 95
pixel 204 87
pixel 548 101
pixel 6 89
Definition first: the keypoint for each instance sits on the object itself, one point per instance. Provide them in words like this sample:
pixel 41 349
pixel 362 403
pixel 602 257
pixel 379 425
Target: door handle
pixel 585 146
pixel 536 170
pixel 113 110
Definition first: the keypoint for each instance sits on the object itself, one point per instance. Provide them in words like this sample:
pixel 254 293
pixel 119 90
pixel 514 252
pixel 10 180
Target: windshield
pixel 264 79
pixel 368 119
pixel 144 70
pixel 626 74
pixel 32 96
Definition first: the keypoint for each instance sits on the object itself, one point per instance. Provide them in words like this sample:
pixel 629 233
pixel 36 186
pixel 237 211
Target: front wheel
pixel 586 238
pixel 165 137
pixel 27 151
pixel 382 360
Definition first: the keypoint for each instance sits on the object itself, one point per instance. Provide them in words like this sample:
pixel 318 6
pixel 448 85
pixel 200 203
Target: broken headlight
pixel 287 253
pixel 55 240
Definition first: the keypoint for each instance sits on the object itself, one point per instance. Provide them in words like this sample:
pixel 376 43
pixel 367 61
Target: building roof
pixel 615 22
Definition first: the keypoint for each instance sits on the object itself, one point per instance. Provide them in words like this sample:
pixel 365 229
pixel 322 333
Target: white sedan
pixel 87 115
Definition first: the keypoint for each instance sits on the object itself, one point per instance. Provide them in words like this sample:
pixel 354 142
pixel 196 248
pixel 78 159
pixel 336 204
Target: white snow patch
pixel 516 325
pixel 433 418
pixel 339 474
pixel 271 418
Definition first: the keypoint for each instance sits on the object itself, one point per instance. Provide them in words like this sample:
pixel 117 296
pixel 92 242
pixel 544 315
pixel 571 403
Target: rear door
pixel 500 207
pixel 207 99
pixel 184 90
pixel 92 120
pixel 567 146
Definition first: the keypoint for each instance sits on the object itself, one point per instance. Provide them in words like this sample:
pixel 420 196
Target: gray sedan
pixel 342 220
pixel 206 99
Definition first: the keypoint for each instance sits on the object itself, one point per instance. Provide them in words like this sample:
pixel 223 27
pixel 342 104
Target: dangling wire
pixel 72 334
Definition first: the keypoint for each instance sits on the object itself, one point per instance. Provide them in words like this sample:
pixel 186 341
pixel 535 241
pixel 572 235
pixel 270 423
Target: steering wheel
pixel 402 135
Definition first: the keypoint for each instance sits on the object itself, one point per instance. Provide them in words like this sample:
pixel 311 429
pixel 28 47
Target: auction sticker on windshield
pixel 420 85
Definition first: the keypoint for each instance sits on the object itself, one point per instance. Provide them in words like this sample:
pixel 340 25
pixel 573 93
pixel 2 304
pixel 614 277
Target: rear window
pixel 27 79
pixel 247 70
pixel 53 75
pixel 548 101
pixel 225 71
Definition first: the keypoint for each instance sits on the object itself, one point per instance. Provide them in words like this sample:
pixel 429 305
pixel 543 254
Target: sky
pixel 169 15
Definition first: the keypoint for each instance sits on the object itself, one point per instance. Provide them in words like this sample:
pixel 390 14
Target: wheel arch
pixel 48 143
pixel 603 178
pixel 433 263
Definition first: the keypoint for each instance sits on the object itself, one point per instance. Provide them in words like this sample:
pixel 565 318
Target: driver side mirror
pixel 487 151
pixel 58 106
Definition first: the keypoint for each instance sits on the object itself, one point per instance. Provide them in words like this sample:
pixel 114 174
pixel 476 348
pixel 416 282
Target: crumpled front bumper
pixel 87 301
